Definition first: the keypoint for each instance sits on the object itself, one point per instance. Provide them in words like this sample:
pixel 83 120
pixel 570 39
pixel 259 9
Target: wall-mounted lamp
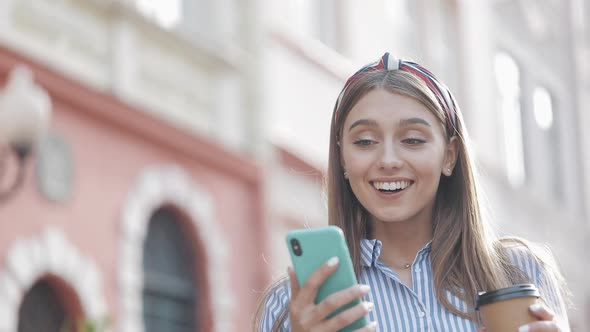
pixel 25 110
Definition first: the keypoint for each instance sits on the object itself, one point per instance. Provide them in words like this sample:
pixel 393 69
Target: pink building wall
pixel 111 144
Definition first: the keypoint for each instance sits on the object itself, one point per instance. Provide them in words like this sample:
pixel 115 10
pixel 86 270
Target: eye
pixel 364 142
pixel 414 141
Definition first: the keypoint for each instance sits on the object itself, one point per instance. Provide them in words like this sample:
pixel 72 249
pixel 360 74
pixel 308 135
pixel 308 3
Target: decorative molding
pixel 156 187
pixel 113 112
pixel 55 168
pixel 50 253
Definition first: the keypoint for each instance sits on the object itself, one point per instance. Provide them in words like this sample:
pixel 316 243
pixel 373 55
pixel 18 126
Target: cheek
pixel 428 163
pixel 356 163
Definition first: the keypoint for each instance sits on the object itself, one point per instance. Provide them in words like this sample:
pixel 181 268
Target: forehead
pixel 386 107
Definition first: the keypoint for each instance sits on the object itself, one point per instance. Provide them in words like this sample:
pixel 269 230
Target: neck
pixel 401 241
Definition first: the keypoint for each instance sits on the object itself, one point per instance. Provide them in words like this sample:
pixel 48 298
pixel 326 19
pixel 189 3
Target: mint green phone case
pixel 318 245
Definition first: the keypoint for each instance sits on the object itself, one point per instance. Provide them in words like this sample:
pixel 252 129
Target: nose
pixel 390 157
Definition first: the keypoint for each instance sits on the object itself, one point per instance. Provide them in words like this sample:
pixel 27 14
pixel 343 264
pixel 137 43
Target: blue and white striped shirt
pixel 399 308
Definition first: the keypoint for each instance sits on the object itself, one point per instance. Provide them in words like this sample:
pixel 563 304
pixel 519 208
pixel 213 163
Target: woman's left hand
pixel 545 323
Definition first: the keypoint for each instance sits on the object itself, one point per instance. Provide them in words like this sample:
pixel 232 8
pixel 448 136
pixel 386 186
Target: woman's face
pixel 394 151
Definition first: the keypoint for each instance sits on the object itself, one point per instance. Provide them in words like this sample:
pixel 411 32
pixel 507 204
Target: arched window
pixel 42 309
pixel 169 294
pixel 544 144
pixel 508 82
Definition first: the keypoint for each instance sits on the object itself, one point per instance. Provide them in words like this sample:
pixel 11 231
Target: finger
pixel 367 328
pixel 544 326
pixel 316 279
pixel 339 299
pixel 541 312
pixel 293 281
pixel 347 317
pixel 482 329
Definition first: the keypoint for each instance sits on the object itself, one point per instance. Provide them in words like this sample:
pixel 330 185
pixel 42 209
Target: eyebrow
pixel 365 122
pixel 402 123
pixel 411 121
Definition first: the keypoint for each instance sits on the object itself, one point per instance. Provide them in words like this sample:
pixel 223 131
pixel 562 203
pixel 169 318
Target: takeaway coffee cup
pixel 506 309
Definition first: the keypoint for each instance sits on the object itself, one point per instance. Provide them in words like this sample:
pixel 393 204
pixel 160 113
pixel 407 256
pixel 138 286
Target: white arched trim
pixel 28 260
pixel 154 188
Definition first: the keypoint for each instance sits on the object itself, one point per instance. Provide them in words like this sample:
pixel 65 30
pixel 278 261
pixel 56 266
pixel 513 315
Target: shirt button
pixel 418 269
pixel 421 314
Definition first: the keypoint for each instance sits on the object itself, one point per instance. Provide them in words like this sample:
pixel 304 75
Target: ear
pixel 450 158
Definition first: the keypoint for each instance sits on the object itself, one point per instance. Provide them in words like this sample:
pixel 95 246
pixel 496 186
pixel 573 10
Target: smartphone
pixel 309 249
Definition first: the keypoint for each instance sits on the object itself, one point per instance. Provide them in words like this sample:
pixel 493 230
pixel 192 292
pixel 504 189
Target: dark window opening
pixel 169 294
pixel 42 310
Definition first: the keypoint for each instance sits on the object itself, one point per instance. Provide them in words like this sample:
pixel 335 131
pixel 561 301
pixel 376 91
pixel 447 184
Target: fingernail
pixel 369 306
pixel 535 307
pixel 524 328
pixel 365 289
pixel 372 326
pixel 332 261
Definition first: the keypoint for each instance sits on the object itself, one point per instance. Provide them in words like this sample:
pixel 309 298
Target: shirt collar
pixel 371 250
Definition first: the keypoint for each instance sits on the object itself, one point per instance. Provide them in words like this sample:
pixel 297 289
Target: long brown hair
pixel 466 256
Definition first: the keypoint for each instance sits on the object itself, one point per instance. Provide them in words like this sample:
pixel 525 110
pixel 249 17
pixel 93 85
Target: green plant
pixel 88 325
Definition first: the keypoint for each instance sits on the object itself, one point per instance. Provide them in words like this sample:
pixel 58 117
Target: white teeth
pixel 391 185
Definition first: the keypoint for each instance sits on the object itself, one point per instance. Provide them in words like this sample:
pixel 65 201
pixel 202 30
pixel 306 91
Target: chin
pixel 390 214
pixel 396 217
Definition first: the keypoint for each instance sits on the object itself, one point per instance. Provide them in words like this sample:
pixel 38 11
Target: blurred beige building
pixel 521 73
pixel 260 78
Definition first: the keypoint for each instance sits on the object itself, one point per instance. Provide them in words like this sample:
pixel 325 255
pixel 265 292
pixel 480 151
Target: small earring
pixel 345 175
pixel 449 171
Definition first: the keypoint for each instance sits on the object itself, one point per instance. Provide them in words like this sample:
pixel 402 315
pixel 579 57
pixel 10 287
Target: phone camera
pixel 296 247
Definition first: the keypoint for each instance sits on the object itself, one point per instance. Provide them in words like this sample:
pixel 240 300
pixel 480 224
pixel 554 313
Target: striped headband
pixel 442 93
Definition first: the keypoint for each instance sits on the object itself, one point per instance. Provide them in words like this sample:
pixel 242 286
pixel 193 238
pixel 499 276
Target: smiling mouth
pixel 391 187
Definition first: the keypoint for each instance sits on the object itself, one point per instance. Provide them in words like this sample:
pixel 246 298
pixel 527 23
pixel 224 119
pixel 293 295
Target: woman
pixel 401 186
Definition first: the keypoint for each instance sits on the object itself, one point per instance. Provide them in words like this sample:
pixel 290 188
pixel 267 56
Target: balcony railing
pixel 113 48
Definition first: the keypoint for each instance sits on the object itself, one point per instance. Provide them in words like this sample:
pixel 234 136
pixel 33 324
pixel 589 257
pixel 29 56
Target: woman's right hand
pixel 305 316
